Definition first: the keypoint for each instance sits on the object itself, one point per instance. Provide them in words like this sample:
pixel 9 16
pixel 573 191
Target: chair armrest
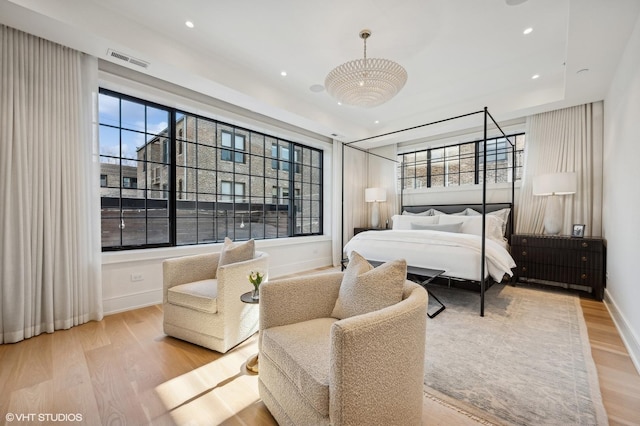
pixel 233 279
pixel 380 354
pixel 187 269
pixel 293 300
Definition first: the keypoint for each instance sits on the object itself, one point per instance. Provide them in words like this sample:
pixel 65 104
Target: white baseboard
pixel 128 302
pixel 629 338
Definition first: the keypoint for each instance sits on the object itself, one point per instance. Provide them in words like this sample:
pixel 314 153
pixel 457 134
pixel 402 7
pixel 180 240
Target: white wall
pixel 121 292
pixel 622 196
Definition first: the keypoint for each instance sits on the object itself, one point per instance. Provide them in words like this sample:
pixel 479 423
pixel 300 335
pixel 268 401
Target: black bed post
pixel 513 188
pixel 342 214
pixel 484 213
pixel 401 185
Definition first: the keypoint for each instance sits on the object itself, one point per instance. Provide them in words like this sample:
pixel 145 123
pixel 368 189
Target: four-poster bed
pixel 479 250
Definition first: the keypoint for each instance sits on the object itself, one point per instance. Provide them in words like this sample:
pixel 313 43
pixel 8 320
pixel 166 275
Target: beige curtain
pixel 355 182
pixel 567 140
pixel 49 216
pixel 382 173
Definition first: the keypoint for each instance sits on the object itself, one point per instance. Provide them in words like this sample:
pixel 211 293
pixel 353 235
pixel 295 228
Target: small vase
pixel 255 294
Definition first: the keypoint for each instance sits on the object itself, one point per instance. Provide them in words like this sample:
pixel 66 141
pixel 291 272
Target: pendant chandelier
pixel 365 82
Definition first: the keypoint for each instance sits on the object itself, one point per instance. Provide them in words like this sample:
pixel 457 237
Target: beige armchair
pixel 201 301
pixel 363 370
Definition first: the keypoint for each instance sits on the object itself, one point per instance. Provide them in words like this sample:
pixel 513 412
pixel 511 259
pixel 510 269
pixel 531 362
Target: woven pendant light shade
pixel 366 82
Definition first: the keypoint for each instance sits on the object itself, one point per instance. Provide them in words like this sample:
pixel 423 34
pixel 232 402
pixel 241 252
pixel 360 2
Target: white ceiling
pixel 461 55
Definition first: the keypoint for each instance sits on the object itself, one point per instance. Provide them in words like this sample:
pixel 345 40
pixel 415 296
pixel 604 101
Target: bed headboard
pixel 455 208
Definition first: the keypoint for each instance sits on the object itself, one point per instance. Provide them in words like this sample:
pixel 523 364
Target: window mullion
pixel 173 203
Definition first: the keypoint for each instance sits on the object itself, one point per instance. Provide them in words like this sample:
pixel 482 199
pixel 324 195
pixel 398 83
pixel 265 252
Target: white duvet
pixel 457 254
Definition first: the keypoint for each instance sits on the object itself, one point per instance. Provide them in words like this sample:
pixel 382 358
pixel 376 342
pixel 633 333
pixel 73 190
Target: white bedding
pixel 458 254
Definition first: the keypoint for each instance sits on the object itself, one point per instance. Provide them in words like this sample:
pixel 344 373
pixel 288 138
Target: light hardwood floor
pixel 124 370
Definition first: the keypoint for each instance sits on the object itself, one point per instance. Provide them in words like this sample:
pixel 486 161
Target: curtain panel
pixel 50 259
pixel 566 140
pixel 355 182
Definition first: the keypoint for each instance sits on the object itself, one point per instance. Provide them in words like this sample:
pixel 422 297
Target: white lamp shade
pixel 375 194
pixel 555 184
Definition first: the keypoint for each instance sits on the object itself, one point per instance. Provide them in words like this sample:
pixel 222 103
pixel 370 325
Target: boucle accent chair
pixel 201 301
pixel 365 369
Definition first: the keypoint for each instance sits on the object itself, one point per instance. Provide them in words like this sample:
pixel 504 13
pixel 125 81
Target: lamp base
pixel 553 216
pixel 375 215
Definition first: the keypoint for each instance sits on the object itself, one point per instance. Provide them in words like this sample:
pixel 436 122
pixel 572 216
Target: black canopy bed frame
pixel 483 208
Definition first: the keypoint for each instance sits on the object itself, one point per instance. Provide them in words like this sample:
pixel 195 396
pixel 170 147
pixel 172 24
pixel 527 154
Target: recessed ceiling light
pixel 535 76
pixel 527 31
pixel 316 88
pixel 189 24
pixel 340 103
pixel 283 73
pixel 376 122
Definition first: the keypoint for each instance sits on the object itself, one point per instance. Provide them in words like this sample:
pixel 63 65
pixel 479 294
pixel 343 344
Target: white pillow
pixel 502 214
pixel 442 227
pixel 403 222
pixel 424 213
pixel 473 225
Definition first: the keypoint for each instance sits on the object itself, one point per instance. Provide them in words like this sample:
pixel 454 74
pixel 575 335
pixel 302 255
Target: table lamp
pixel 553 185
pixel 375 195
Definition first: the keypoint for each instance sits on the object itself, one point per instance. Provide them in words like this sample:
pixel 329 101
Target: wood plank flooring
pixel 123 370
pixel 619 380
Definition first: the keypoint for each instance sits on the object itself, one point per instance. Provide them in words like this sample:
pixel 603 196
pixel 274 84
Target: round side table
pixel 252 362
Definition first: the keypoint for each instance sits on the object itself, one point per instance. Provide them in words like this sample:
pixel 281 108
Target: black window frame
pixel 496 157
pixel 172 143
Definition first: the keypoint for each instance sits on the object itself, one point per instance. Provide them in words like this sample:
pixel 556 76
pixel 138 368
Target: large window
pixel 462 164
pixel 169 177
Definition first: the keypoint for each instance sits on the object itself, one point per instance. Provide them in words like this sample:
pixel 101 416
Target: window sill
pixel 126 256
pixel 463 188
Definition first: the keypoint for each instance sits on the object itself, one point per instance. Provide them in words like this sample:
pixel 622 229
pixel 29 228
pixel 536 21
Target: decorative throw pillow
pixel 424 213
pixel 367 289
pixel 473 225
pixel 236 252
pixel 442 227
pixel 400 222
pixel 502 214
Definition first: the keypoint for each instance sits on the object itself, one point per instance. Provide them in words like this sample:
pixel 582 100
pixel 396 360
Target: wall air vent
pixel 123 57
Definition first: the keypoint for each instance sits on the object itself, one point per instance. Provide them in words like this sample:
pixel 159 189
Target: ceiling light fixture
pixel 535 76
pixel 189 24
pixel 283 73
pixel 527 31
pixel 365 82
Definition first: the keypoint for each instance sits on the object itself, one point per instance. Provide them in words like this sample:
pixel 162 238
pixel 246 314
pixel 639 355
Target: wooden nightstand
pixel 576 263
pixel 359 230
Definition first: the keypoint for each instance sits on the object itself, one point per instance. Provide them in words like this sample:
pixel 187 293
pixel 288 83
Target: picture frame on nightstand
pixel 578 230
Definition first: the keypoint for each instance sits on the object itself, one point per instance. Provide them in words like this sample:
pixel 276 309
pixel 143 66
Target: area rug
pixel 526 362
